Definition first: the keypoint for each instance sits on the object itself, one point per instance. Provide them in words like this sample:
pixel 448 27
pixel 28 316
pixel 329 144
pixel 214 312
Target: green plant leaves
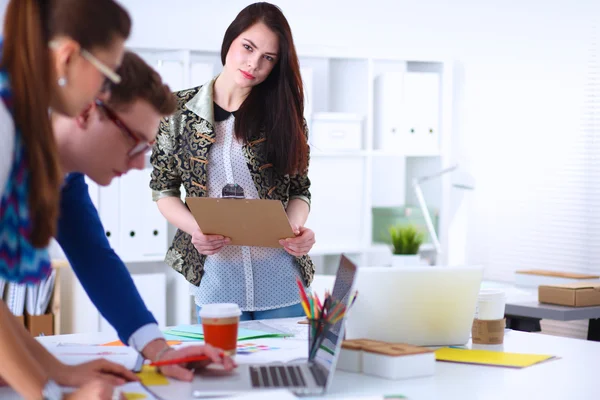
pixel 406 239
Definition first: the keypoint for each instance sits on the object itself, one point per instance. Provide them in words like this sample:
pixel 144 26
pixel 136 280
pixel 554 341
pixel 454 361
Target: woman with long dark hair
pixel 56 56
pixel 244 127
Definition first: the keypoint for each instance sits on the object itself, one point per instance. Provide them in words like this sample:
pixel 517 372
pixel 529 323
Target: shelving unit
pixel 347 184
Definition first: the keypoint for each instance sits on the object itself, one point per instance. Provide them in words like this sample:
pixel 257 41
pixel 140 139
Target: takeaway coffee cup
pixel 490 305
pixel 489 323
pixel 220 325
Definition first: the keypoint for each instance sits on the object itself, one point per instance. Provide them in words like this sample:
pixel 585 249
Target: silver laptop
pixel 304 377
pixel 423 306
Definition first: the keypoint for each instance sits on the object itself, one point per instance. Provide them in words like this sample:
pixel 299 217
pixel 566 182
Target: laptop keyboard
pixel 277 376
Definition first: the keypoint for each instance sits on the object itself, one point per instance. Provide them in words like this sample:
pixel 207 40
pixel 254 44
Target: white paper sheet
pixel 73 355
pixel 267 395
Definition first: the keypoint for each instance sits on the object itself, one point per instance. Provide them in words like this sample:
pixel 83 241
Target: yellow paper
pixel 151 377
pixel 134 396
pixel 486 357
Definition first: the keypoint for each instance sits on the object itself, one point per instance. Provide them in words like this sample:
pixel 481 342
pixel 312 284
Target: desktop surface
pixel 572 376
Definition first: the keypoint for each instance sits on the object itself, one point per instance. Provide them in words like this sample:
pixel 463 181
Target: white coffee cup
pixel 490 305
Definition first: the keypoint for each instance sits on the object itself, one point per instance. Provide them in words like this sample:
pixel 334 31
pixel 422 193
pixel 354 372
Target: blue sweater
pixel 101 272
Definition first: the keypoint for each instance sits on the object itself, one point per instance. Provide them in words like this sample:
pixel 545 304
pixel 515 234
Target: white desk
pixel 573 376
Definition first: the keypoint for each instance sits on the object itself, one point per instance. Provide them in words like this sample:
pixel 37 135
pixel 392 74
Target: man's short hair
pixel 139 81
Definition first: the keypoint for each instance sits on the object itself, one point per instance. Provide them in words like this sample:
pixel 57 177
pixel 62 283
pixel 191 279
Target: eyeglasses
pixel 140 146
pixel 111 77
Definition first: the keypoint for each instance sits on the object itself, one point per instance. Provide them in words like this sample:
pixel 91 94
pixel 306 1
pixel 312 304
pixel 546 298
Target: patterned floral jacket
pixel 180 157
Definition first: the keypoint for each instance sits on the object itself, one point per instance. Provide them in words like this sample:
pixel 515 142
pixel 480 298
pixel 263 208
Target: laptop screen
pixel 344 282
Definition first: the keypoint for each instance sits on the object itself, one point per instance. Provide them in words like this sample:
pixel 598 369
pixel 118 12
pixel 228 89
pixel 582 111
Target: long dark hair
pixel 276 105
pixel 29 25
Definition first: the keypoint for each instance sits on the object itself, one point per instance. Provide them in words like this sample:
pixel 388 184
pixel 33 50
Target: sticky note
pixel 151 377
pixel 134 396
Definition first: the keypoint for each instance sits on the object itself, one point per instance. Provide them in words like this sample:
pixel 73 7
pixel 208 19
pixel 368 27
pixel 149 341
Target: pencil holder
pixel 317 331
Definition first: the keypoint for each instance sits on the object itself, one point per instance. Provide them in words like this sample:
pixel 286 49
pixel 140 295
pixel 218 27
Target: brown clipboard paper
pixel 247 222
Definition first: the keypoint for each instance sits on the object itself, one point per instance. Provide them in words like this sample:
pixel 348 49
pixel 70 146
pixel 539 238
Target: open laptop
pixel 306 377
pixel 424 306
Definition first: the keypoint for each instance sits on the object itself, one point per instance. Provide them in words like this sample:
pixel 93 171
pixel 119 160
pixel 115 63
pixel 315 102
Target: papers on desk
pixel 39 295
pixel 491 358
pixel 73 355
pixel 196 332
pixel 264 327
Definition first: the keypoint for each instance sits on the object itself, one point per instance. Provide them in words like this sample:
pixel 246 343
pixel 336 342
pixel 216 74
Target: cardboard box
pixel 21 319
pixel 40 324
pixel 488 331
pixel 579 294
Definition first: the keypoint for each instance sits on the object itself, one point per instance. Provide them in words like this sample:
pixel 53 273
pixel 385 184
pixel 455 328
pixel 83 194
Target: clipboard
pixel 247 222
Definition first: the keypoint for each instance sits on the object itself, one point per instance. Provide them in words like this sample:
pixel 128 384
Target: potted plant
pixel 406 240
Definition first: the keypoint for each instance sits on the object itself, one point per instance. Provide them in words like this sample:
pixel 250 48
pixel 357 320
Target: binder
pixel 39 295
pixel 15 298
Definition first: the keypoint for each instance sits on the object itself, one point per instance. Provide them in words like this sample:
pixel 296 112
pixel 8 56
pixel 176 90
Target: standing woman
pixel 244 127
pixel 56 56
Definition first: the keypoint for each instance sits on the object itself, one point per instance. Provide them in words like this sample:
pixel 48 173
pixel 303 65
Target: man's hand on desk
pixel 158 350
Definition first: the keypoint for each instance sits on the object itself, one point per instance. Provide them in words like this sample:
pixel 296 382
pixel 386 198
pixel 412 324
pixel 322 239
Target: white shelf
pixel 157 258
pixel 357 153
pixel 385 153
pixel 330 250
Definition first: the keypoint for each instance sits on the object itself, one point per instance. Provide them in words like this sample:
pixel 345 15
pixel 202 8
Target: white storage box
pixel 398 361
pixel 351 354
pixel 350 358
pixel 336 131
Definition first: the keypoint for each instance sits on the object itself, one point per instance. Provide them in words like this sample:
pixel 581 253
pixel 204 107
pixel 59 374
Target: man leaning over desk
pixel 107 140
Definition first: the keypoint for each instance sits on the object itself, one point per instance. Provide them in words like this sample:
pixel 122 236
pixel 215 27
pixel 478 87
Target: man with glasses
pixel 109 139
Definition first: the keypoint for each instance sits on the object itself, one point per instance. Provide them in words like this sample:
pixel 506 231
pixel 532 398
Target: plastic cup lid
pixel 491 294
pixel 220 310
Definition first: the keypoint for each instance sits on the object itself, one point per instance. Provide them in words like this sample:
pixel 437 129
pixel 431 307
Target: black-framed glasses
pixel 141 146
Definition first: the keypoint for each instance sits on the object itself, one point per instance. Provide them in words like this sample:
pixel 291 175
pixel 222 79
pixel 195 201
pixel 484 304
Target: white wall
pixel 521 66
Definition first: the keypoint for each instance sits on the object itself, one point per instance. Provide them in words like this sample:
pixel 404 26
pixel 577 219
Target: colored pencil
pixel 304 299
